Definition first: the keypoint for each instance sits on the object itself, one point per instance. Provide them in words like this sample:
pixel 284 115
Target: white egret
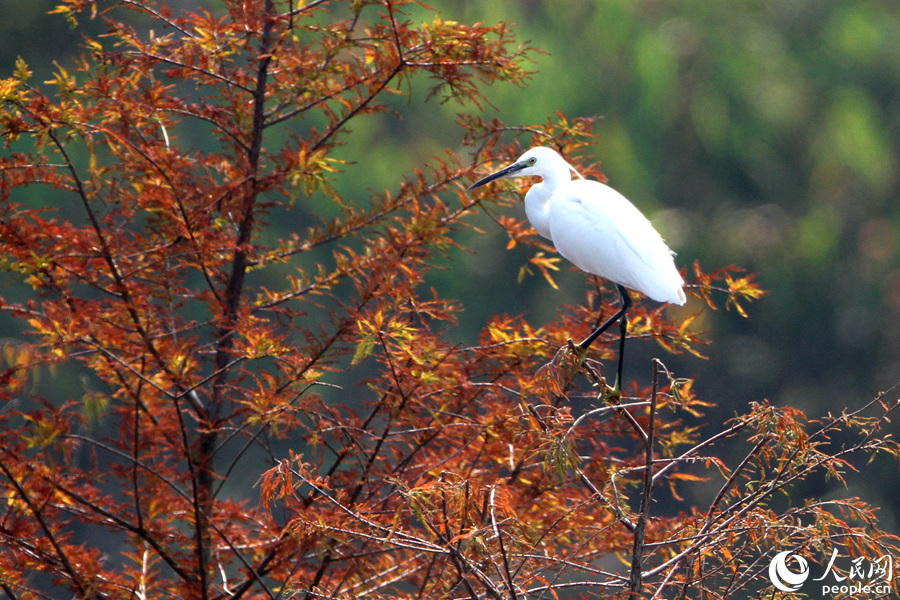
pixel 598 230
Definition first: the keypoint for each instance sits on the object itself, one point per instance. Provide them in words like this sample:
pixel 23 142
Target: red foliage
pixel 213 356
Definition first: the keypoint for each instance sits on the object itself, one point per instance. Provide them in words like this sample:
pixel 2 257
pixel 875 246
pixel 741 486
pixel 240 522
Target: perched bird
pixel 598 230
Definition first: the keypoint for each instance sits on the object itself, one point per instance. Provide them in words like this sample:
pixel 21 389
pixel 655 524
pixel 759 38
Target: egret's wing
pixel 602 233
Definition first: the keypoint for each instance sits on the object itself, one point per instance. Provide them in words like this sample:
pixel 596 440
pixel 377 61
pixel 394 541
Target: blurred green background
pixel 760 133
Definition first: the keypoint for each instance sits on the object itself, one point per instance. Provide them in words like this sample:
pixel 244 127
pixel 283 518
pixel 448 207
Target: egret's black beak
pixel 507 172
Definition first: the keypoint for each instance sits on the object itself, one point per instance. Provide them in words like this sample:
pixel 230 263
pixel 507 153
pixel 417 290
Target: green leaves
pixel 211 351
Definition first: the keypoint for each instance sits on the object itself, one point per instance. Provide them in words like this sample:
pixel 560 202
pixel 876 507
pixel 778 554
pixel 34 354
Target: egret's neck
pixel 537 201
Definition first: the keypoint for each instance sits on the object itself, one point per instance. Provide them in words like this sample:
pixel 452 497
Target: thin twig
pixel 634 581
pixel 510 583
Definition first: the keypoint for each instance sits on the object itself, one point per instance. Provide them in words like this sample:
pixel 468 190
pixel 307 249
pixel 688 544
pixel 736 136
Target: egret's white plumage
pixel 602 233
pixel 597 229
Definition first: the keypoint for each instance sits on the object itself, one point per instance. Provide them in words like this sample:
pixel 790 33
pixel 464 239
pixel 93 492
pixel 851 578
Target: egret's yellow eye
pixel 531 161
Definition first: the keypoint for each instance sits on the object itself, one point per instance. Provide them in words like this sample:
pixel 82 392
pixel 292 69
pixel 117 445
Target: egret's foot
pixel 557 375
pixel 576 349
pixel 612 395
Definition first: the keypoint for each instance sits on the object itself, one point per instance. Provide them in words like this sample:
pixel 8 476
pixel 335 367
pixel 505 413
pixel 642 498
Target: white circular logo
pixel 782 577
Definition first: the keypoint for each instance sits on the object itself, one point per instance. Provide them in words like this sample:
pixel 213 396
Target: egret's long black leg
pixel 624 305
pixel 623 329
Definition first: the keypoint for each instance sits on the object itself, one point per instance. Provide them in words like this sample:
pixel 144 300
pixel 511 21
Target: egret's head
pixel 539 161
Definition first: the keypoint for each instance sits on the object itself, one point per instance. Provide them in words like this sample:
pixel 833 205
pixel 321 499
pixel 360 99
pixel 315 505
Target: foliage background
pixel 765 134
